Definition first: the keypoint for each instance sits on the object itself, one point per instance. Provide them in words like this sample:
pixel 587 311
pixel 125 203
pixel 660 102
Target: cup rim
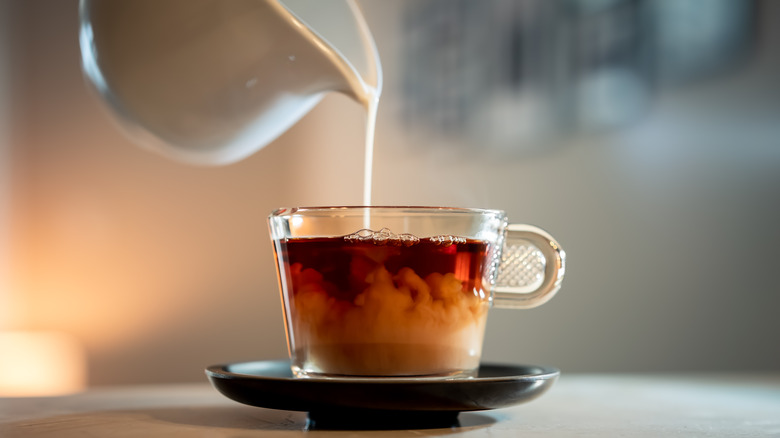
pixel 288 211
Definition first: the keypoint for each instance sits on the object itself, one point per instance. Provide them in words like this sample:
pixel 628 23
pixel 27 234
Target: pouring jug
pixel 212 81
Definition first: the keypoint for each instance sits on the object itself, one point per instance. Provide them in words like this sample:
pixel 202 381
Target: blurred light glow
pixel 40 364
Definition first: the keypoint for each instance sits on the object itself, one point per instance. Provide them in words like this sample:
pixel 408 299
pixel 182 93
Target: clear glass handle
pixel 531 269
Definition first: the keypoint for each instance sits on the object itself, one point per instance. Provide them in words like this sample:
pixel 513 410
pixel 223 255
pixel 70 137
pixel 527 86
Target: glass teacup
pixel 403 291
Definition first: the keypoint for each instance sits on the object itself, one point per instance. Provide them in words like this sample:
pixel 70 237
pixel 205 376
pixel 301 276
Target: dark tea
pixel 378 304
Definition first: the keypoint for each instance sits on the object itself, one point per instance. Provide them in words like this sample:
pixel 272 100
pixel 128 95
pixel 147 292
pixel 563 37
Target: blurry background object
pixel 669 217
pixel 517 75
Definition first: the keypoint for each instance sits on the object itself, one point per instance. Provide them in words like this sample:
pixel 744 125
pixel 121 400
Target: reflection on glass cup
pixel 403 291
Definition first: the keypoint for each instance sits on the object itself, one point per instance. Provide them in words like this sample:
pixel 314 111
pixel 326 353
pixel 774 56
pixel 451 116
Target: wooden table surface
pixel 587 405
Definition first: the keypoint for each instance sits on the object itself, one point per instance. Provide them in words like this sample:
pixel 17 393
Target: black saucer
pixel 355 401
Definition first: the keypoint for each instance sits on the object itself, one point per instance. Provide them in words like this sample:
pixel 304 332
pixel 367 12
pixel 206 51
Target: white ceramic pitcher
pixel 213 81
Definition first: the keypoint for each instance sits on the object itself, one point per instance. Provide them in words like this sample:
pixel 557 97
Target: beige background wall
pixel 5 168
pixel 161 269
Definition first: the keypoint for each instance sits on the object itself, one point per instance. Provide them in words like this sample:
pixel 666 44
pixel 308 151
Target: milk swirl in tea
pixel 379 304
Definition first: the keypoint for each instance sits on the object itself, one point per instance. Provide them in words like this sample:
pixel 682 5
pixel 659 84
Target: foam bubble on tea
pixel 376 303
